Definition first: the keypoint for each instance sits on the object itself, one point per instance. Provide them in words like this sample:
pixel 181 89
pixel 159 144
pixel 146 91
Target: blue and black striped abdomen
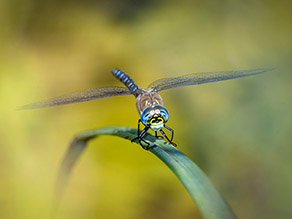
pixel 128 81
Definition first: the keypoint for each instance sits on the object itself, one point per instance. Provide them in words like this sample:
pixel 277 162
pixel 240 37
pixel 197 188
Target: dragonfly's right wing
pixel 202 78
pixel 80 96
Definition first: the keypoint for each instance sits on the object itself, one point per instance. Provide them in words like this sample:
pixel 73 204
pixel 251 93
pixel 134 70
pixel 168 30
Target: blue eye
pixel 145 116
pixel 164 114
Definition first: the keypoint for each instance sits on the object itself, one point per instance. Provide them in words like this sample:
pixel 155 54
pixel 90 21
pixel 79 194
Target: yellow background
pixel 237 131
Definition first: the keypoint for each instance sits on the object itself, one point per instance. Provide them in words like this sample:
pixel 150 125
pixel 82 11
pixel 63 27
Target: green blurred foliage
pixel 238 131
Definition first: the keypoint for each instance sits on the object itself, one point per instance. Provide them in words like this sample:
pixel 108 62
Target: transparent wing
pixel 80 96
pixel 201 78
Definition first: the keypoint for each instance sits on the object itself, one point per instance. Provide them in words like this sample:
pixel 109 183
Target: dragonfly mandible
pixel 153 114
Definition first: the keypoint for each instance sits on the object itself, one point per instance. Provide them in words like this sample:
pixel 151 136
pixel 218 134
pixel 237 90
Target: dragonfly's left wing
pixel 201 78
pixel 80 96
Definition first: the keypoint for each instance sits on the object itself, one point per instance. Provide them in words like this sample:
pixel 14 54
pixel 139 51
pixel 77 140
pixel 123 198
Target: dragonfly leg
pixel 170 141
pixel 172 132
pixel 141 135
pixel 140 138
pixel 138 134
pixel 139 127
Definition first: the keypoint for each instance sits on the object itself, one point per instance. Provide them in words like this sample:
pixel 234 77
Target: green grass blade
pixel 207 198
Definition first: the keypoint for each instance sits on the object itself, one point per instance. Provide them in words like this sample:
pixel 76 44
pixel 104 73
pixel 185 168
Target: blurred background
pixel 237 131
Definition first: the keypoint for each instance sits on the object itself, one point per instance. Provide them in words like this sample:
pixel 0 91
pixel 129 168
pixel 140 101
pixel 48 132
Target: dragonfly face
pixel 155 117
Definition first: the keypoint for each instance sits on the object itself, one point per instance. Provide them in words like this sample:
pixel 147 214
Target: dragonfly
pixel 149 103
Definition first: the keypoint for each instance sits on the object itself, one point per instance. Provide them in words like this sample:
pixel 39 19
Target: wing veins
pixel 80 96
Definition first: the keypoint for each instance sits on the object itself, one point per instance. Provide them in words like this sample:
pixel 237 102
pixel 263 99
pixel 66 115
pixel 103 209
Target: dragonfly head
pixel 155 117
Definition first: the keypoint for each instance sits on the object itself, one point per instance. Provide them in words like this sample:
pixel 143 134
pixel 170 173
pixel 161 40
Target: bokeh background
pixel 238 131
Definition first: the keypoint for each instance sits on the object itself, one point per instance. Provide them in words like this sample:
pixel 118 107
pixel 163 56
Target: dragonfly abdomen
pixel 127 80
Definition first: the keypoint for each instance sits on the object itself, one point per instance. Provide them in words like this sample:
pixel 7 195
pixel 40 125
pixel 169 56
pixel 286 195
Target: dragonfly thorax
pixel 148 97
